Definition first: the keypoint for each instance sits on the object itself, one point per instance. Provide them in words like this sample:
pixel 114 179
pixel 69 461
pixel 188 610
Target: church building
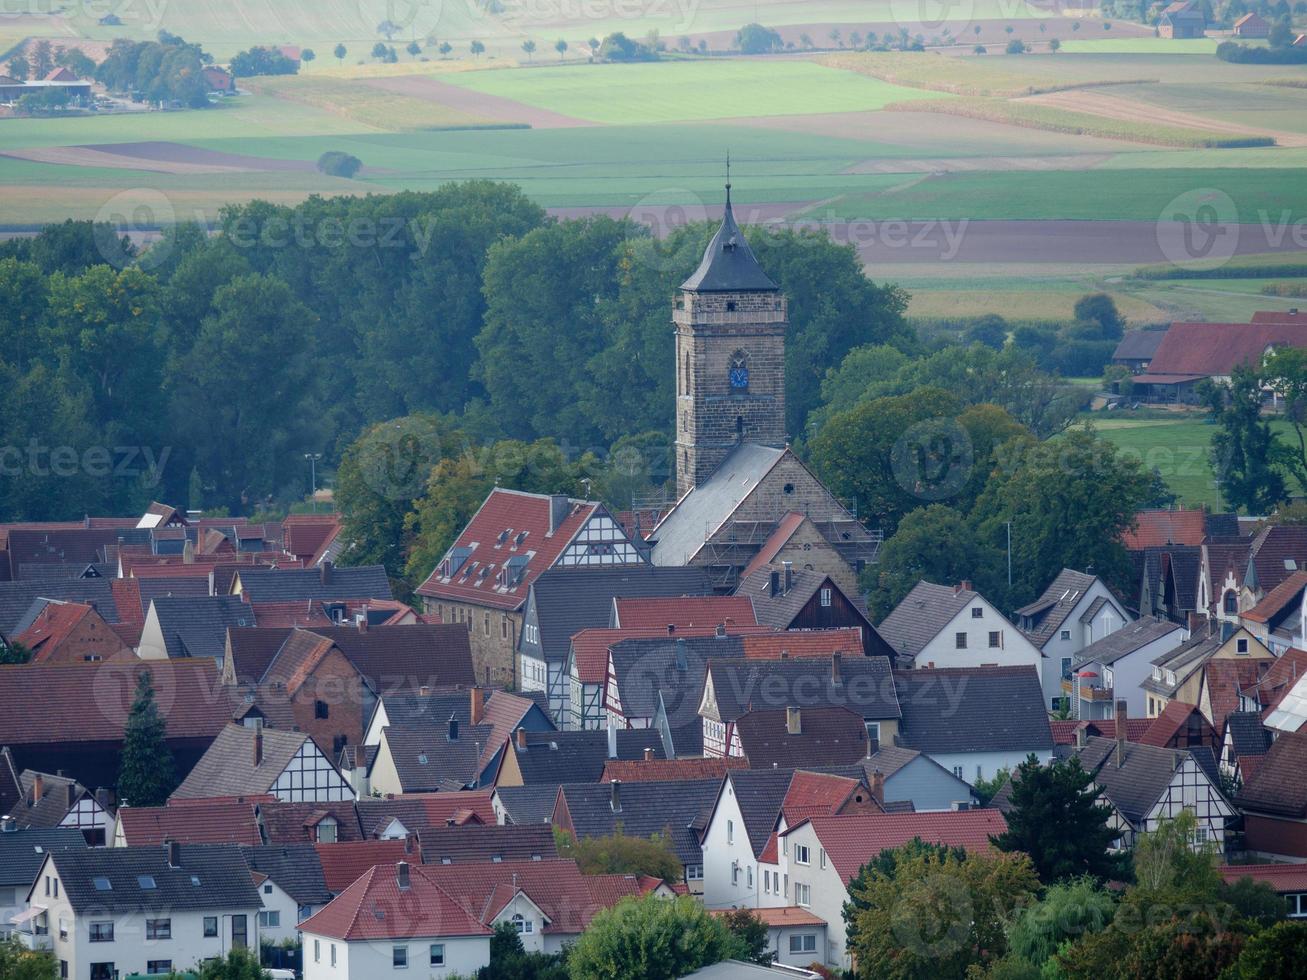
pixel 737 481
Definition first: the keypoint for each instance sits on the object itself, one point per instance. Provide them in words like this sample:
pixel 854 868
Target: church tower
pixel 730 321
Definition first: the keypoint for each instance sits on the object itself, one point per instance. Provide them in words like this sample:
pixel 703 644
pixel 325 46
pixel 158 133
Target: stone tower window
pixel 730 306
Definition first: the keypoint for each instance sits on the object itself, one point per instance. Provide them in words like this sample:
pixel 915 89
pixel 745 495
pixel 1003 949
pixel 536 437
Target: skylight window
pixel 102 884
pixel 195 880
pixel 146 882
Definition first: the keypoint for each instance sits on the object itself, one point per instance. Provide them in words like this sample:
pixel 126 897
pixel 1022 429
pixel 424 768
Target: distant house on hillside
pixel 1252 25
pixel 1137 348
pixel 1182 19
pixel 218 79
pixel 1192 352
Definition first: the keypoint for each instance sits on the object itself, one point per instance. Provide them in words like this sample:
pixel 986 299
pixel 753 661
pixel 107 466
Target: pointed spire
pixel 728 263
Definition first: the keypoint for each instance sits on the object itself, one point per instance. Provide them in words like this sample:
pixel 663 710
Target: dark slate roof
pixel 759 794
pixel 579 756
pixel 728 264
pixel 211 877
pixel 973 709
pixel 1138 345
pixel 865 685
pixel 528 804
pixel 227 766
pixel 474 843
pixel 1050 610
pixel 153 587
pixel 16 598
pixel 1248 736
pixel 197 626
pixel 50 810
pixel 426 761
pixel 11 789
pixel 924 611
pixel 1136 786
pixel 648 667
pixel 23 851
pixel 323 582
pixel 678 807
pixel 1278 787
pixel 828 736
pixel 568 600
pixel 295 868
pixel 1126 641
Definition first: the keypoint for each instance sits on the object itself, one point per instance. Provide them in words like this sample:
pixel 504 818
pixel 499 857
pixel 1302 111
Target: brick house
pixel 70 632
pixel 1252 25
pixel 485 578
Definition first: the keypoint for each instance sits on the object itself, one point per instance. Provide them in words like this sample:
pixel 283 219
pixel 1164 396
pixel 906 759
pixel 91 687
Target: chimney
pixel 775 584
pixel 174 849
pixel 836 661
pixel 478 707
pixel 1082 737
pixel 38 788
pixel 616 801
pixel 559 506
pixel 793 721
pixel 401 874
pixel 453 728
pixel 521 739
pixel 878 786
pixel 361 620
pixel 788 568
pixel 7 825
pixel 648 755
pixel 963 586
pixel 72 795
pixel 612 739
pixel 1121 718
pixel 720 632
pixel 410 839
pixel 258 745
pixel 424 691
pixel 324 572
pixel 682 656
pixel 671 629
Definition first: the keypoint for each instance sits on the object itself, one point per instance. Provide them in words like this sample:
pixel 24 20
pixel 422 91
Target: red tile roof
pixel 296 823
pixel 1217 348
pixel 345 863
pixel 607 890
pixel 803 643
pixel 1284 878
pixel 51 627
pixel 590 646
pixel 517 513
pixel 305 535
pixel 1279 678
pixel 1167 725
pixel 1064 732
pixel 814 794
pixel 376 907
pixel 662 770
pixel 503 713
pixel 90 702
pixel 192 822
pixel 788 915
pixel 557 886
pixel 851 841
pixel 131 615
pixel 1158 528
pixel 467 806
pixel 685 612
pixel 1287 592
pixel 785 529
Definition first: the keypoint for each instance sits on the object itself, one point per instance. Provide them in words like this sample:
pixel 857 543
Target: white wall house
pixel 112 912
pixel 393 921
pixel 1119 663
pixel 732 873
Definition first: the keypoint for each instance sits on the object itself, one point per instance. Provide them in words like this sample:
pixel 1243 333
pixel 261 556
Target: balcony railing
pixel 1085 692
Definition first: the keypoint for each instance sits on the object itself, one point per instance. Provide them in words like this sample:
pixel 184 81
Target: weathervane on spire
pixel 728 178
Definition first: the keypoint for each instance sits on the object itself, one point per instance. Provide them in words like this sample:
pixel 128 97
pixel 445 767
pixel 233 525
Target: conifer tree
pixel 148 774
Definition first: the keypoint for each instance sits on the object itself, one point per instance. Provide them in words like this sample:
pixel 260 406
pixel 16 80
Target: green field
pixel 1178 449
pixel 679 92
pixel 1141 45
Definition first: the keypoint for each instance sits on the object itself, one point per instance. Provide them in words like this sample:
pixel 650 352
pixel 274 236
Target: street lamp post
pixel 313 478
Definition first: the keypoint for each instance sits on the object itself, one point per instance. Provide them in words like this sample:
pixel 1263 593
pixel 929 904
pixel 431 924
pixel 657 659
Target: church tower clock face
pixel 739 375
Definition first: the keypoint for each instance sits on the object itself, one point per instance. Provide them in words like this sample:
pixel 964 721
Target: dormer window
pixel 326 830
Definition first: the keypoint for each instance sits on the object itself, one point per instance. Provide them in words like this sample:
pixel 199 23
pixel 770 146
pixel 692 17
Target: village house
pixel 1251 25
pixel 1181 19
pixel 1279 619
pixel 955 626
pixel 202 821
pixel 257 761
pixel 70 632
pixel 574 756
pixel 1178 675
pixel 1193 352
pixel 974 721
pixel 485 578
pixel 1244 746
pixel 110 912
pixel 1288 880
pixel 22 852
pixel 291 888
pixel 1136 349
pixel 1116 665
pixel 391 918
pixel 49 800
pixel 1074 611
pixel 914 781
pixel 1274 801
pixel 566 600
pixel 820 855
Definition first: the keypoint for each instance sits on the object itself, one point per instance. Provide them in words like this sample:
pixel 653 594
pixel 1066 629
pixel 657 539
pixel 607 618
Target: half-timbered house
pixel 255 761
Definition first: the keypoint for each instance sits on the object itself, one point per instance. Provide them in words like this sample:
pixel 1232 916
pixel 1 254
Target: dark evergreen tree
pixel 1057 819
pixel 148 775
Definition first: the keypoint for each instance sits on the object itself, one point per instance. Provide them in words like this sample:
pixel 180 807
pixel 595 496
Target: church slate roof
pixel 728 264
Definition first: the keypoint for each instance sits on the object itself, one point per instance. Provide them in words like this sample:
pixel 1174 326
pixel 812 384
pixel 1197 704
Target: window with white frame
pixel 399 957
pixel 960 641
pixel 694 872
pixel 730 831
pixel 1066 634
pixel 270 919
pixel 825 597
pixel 821 855
pixel 522 924
pixel 158 928
pixel 1297 903
pixel 437 954
pixel 748 877
pixel 802 854
pixel 802 894
pixel 977 612
pixel 805 942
